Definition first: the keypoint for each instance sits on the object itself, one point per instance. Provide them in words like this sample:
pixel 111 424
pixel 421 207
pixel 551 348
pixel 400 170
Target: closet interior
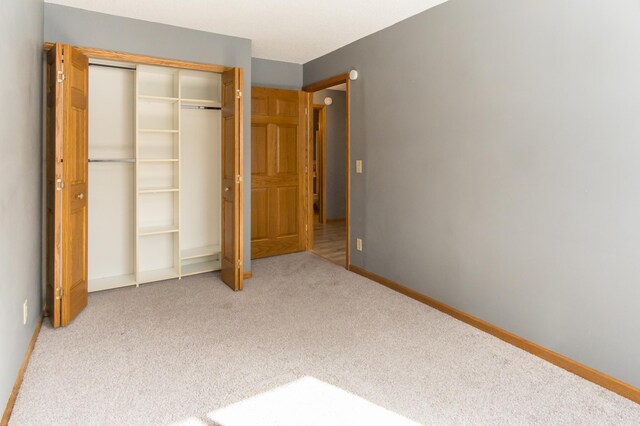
pixel 154 155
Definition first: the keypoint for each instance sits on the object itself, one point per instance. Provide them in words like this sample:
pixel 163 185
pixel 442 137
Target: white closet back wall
pixel 154 174
pixel 200 229
pixel 111 190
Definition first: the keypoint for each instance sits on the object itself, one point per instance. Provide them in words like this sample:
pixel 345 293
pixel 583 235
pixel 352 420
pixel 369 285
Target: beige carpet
pixel 305 343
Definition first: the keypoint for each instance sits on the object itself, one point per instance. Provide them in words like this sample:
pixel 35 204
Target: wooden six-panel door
pixel 278 175
pixel 75 148
pixel 53 213
pixel 231 248
pixel 67 179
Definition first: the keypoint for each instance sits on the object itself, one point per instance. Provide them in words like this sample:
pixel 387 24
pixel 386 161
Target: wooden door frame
pixel 322 155
pixel 315 87
pixel 95 53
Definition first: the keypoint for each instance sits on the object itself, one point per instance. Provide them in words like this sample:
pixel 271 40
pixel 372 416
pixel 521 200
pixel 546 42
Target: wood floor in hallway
pixel 330 241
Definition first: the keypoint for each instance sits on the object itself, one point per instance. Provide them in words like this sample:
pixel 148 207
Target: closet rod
pixel 111 66
pixel 112 160
pixel 200 107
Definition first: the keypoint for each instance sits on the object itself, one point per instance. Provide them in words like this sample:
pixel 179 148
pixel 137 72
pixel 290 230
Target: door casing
pixel 320 153
pixel 314 87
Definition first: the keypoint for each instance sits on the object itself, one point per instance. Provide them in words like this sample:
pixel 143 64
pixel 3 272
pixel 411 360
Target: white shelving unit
pixel 157 183
pixel 167 194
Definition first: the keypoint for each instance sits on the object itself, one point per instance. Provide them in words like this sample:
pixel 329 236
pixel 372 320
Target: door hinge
pixel 238 93
pixel 238 178
pixel 306 228
pixel 59 184
pixel 239 264
pixel 61 76
pixel 60 294
pixel 306 111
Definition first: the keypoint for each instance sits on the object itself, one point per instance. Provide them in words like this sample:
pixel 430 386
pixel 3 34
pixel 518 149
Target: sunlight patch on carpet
pixel 306 401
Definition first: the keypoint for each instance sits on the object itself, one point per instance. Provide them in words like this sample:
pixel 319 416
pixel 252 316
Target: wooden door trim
pixel 314 87
pixel 326 83
pixel 323 140
pixel 93 52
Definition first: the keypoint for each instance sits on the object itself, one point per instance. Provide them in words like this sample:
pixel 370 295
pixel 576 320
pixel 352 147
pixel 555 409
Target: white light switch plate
pixel 25 312
pixel 359 244
pixel 358 166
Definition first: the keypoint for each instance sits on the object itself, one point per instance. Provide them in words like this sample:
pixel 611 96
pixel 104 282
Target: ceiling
pixel 285 30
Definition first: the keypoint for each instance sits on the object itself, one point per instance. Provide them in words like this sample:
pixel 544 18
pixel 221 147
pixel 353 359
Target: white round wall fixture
pixel 328 101
pixel 353 75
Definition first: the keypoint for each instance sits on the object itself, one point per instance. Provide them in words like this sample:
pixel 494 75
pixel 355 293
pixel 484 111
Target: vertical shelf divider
pixel 136 175
pixel 178 201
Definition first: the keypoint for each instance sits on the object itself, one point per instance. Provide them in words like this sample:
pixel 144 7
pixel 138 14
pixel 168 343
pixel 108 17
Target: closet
pixel 154 173
pixel 158 143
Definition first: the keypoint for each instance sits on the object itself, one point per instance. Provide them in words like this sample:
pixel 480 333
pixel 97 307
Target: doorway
pixel 329 166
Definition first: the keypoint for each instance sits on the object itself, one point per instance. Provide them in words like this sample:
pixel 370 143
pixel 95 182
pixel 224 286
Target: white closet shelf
pixel 158 160
pixel 199 252
pixel 98 284
pixel 158 275
pixel 200 267
pixel 158 131
pixel 206 102
pixel 157 99
pixel 156 230
pixel 156 190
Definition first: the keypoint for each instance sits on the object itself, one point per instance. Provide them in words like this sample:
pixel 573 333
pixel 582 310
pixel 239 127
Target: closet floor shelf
pixel 106 283
pixel 158 275
pixel 197 252
pixel 200 267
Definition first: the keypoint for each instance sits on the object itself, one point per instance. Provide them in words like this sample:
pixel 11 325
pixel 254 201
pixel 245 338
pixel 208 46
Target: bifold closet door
pixel 67 138
pixel 231 249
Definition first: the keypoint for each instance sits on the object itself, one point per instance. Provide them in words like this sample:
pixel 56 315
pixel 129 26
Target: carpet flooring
pixel 306 343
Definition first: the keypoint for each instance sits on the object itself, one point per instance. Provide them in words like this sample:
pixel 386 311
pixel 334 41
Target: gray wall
pixel 276 74
pixel 90 29
pixel 20 187
pixel 335 152
pixel 501 154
